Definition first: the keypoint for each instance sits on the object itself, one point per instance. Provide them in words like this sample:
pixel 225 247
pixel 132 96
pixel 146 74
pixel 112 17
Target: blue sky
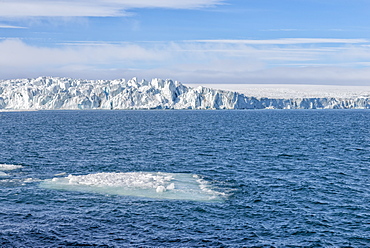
pixel 192 41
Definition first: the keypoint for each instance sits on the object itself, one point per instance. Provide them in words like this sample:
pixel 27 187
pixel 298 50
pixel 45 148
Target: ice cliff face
pixel 65 93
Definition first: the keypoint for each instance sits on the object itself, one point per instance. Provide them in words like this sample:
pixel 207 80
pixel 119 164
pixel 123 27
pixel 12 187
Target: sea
pixel 185 178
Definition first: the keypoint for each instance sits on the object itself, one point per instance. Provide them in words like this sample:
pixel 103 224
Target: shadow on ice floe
pixel 158 185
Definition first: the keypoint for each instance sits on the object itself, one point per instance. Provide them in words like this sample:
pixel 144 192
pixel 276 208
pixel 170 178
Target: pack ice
pixel 47 93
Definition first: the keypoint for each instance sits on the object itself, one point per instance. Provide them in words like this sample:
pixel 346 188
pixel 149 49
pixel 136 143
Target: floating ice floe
pixel 18 181
pixel 180 186
pixel 7 167
pixel 3 174
pixel 60 174
pixel 7 177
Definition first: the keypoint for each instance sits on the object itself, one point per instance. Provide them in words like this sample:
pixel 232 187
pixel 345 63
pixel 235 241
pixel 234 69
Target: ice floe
pixel 3 174
pixel 160 185
pixel 7 167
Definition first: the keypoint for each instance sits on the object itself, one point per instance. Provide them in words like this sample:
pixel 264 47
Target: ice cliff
pixel 66 93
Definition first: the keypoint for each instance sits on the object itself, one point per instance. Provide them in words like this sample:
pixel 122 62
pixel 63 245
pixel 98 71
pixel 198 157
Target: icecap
pixel 66 93
pixel 158 185
pixel 294 91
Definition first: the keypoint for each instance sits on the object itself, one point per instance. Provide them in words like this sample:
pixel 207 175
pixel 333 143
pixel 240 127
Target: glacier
pixel 56 93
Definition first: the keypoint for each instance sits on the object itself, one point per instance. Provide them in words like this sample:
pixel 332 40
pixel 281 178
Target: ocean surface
pixel 253 178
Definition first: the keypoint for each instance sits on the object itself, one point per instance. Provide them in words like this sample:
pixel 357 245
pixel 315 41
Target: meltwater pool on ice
pixel 160 185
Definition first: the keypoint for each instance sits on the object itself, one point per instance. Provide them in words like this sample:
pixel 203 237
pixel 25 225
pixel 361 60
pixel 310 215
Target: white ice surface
pixel 7 167
pixel 45 93
pixel 158 185
pixel 3 174
pixel 292 91
pixel 21 181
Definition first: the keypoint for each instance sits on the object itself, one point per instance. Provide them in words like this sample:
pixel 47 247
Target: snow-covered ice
pixel 158 185
pixel 3 174
pixel 7 167
pixel 292 91
pixel 46 93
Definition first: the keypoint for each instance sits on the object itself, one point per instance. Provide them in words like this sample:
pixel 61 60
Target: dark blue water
pixel 291 178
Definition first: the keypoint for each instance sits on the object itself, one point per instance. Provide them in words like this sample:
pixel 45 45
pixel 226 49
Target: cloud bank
pixel 11 26
pixel 91 8
pixel 193 61
pixel 288 41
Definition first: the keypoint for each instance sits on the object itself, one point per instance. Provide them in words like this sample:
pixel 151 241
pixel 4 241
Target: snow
pixel 46 93
pixel 7 167
pixel 158 185
pixel 292 91
pixel 3 174
pixel 10 167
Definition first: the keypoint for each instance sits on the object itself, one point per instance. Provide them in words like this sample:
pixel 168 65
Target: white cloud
pixel 16 53
pixel 84 8
pixel 287 41
pixel 277 75
pixel 10 26
pixel 188 4
pixel 66 8
pixel 191 62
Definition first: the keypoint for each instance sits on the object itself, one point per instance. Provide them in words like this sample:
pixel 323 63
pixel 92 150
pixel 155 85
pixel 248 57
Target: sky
pixel 317 42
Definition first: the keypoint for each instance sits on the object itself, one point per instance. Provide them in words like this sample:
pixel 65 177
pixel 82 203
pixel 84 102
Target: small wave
pixel 6 167
pixel 180 186
pixel 18 181
pixel 60 174
pixel 284 155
